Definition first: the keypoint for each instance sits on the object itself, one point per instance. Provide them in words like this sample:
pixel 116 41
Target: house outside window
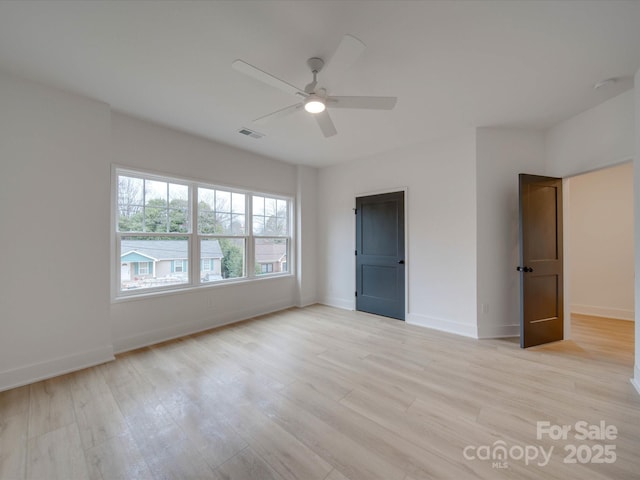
pixel 161 221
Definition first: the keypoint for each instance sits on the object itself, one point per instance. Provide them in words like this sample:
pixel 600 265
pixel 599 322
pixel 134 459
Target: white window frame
pixel 194 261
pixel 266 236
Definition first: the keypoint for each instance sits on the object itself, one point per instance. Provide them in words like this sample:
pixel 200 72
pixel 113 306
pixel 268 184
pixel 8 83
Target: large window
pixel 173 233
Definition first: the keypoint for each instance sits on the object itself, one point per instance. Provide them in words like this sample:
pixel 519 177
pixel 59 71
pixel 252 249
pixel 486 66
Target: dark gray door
pixel 541 296
pixel 380 254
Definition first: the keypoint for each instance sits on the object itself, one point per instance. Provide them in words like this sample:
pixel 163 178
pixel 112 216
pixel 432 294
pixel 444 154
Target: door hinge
pixel 355 211
pixel 356 294
pixel 356 252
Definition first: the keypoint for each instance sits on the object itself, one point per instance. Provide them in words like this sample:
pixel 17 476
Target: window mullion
pixel 251 262
pixel 144 205
pixel 167 222
pixel 194 259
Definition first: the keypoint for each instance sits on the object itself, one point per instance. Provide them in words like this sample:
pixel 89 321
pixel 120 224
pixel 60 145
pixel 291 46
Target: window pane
pixel 207 198
pixel 130 203
pixel 178 192
pixel 179 220
pixel 270 216
pixel 224 258
pixel 258 205
pixel 149 263
pixel 271 255
pixel 156 191
pixel 237 224
pixel 178 208
pixel 206 222
pixel 237 202
pixel 270 226
pixel 155 219
pixel 223 223
pixel 164 207
pixel 214 212
pixel 223 201
pixel 258 225
pixel 270 206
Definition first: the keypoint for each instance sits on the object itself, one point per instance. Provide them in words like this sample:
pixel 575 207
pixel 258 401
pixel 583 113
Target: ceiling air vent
pixel 250 133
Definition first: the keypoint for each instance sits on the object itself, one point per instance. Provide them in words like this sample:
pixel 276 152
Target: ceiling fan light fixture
pixel 314 104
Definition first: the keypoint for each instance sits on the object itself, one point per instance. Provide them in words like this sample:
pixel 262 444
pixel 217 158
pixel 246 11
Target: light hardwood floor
pixel 320 393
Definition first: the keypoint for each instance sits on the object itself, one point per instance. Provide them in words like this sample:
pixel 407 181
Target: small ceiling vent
pixel 250 133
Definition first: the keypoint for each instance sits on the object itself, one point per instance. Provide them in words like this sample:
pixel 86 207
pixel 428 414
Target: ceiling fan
pixel 315 99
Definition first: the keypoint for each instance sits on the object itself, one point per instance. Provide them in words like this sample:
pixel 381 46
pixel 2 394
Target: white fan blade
pixel 348 52
pixel 267 78
pixel 326 124
pixel 375 103
pixel 283 112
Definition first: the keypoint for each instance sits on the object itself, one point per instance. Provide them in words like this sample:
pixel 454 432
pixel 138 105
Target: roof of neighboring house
pixel 269 253
pixel 168 249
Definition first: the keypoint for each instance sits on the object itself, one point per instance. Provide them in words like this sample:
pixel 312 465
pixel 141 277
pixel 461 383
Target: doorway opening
pixel 599 259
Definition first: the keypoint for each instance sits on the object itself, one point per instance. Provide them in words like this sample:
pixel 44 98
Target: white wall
pixel 501 154
pixel 441 228
pixel 306 223
pixel 599 137
pixel 601 242
pixel 54 212
pixel 144 145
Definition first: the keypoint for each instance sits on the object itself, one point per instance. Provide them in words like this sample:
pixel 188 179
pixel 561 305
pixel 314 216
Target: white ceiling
pixel 452 64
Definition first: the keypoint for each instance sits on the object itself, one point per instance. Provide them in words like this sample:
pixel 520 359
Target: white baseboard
pixel 306 302
pixel 35 372
pixel 499 331
pixel 635 381
pixel 443 325
pixel 608 312
pixel 151 337
pixel 343 303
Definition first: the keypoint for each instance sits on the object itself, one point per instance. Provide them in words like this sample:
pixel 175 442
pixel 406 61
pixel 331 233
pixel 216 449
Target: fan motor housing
pixel 315 64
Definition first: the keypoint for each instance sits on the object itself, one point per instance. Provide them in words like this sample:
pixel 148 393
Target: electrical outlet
pixel 485 308
pixel 210 302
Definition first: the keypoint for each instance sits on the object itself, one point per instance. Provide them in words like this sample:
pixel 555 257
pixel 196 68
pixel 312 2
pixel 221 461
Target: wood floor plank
pixel 326 394
pixel 171 455
pixel 13 443
pixel 98 416
pixel 50 406
pixel 204 423
pixel 117 459
pixel 282 451
pixel 14 401
pixel 57 454
pixel 247 465
pixel 336 475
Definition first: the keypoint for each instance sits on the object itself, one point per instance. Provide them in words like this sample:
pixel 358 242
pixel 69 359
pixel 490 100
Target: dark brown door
pixel 541 302
pixel 380 254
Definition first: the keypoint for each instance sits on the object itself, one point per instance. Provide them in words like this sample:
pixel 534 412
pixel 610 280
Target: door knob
pixel 524 269
pixel 401 262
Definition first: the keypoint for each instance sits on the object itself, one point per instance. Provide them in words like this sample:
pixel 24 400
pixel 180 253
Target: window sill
pixel 198 288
